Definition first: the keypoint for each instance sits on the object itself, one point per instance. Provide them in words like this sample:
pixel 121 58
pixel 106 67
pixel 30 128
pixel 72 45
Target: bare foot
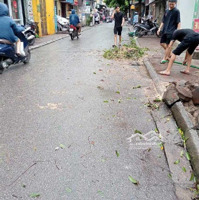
pixel 164 73
pixel 185 72
pixel 184 62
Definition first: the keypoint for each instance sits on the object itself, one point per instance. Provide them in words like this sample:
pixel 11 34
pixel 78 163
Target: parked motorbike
pixel 73 32
pixel 62 23
pixel 8 54
pixel 31 30
pixel 146 28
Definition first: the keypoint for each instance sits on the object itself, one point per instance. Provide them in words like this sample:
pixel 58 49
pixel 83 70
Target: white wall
pixel 186 8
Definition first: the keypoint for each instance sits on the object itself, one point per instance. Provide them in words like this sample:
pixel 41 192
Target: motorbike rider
pixel 8 28
pixel 74 20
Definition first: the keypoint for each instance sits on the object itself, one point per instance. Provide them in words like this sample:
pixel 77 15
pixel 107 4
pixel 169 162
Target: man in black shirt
pixel 119 23
pixel 189 40
pixel 170 22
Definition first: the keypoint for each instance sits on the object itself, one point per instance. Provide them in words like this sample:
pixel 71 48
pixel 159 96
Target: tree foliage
pixel 124 4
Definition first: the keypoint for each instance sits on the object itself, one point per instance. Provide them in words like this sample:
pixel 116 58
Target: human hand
pixel 158 32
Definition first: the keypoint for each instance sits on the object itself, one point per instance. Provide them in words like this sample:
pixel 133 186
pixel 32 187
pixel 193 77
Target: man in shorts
pixel 189 40
pixel 170 22
pixel 119 23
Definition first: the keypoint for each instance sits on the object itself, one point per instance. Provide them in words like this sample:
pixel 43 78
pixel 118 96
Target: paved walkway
pixel 155 56
pixel 51 38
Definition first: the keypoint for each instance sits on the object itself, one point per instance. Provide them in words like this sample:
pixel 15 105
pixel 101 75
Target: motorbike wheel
pixel 72 36
pixel 138 32
pixel 31 42
pixel 28 56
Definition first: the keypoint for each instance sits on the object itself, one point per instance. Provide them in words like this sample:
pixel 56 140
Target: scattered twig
pixel 56 165
pixel 23 173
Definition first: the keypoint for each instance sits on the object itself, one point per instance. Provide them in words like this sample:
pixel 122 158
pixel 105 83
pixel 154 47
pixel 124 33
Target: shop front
pixel 15 10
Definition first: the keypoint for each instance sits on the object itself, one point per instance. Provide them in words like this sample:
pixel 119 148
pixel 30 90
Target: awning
pixel 137 1
pixel 148 2
pixel 68 1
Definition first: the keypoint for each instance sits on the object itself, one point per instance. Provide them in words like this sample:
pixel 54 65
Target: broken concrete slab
pixel 196 96
pixel 184 93
pixel 170 97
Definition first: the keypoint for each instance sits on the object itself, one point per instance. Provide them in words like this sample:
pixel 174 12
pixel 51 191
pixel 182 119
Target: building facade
pixel 44 16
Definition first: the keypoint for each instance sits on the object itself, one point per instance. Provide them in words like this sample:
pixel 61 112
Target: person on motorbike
pixel 74 20
pixel 8 28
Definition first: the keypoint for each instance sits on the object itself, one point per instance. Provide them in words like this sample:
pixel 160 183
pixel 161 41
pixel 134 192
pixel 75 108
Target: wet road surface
pixel 66 114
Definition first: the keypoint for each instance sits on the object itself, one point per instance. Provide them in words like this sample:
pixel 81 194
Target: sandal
pixel 163 61
pixel 164 73
pixel 184 72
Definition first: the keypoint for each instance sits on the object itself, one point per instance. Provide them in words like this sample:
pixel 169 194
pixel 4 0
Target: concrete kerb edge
pixel 152 73
pixel 46 43
pixel 182 119
pixel 185 123
pixel 51 41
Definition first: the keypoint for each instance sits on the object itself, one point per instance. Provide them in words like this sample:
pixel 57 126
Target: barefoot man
pixel 189 40
pixel 170 22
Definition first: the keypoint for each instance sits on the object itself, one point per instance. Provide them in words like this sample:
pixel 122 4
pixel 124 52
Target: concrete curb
pixel 46 43
pixel 182 119
pixel 54 40
pixel 185 123
pixel 160 89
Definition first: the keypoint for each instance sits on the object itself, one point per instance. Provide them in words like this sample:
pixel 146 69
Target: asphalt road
pixel 65 121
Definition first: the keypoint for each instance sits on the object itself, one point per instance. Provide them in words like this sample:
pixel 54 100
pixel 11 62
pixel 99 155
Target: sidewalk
pixel 51 38
pixel 155 56
pixel 180 113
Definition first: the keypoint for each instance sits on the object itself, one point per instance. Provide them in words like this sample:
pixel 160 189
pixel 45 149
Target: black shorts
pixel 118 30
pixel 166 38
pixel 188 43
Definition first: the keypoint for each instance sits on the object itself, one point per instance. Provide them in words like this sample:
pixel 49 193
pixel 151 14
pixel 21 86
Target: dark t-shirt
pixel 171 19
pixel 181 34
pixel 118 19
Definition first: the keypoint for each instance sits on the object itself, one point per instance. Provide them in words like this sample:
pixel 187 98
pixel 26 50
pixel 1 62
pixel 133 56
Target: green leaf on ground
pixel 184 169
pixel 94 72
pixel 119 100
pixel 24 186
pixel 180 131
pixel 106 101
pixel 157 100
pixel 177 162
pixel 169 175
pixel 137 131
pixel 62 146
pixel 136 87
pixel 117 153
pixel 188 156
pixel 192 177
pixel 100 192
pixel 182 153
pixel 156 130
pixel 118 92
pixel 133 180
pixel 197 187
pixel 34 195
pixel 68 190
